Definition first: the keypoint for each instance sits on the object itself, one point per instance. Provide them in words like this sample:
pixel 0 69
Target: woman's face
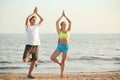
pixel 63 25
pixel 33 20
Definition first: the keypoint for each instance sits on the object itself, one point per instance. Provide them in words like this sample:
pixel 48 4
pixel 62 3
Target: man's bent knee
pixel 25 60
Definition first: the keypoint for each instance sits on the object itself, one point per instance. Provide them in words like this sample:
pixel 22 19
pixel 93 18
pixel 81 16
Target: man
pixel 32 41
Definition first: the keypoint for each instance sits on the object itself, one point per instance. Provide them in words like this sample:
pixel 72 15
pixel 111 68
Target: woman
pixel 63 42
pixel 32 41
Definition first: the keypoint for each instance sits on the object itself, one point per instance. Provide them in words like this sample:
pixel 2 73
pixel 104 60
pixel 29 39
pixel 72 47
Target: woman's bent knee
pixel 52 58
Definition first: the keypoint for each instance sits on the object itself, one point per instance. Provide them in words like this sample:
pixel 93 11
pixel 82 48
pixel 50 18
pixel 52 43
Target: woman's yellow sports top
pixel 64 35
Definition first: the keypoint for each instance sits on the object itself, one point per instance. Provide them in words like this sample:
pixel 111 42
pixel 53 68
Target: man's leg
pixel 31 67
pixel 26 59
pixel 34 60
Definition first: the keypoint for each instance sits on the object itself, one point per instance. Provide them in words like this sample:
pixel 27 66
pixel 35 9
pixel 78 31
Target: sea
pixel 89 52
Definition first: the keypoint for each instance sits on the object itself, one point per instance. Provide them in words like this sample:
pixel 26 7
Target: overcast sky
pixel 87 16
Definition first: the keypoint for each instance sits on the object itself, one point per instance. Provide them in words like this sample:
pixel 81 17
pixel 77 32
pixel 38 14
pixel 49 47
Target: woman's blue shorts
pixel 62 48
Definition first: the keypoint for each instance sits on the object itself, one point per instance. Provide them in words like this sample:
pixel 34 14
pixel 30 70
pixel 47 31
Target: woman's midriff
pixel 64 41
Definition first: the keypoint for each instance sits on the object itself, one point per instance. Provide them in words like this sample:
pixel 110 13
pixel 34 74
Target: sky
pixel 87 16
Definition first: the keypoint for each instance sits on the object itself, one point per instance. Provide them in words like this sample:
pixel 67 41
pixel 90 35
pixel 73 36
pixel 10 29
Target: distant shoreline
pixel 54 33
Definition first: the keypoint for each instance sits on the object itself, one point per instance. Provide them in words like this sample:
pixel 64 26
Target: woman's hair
pixel 32 18
pixel 62 23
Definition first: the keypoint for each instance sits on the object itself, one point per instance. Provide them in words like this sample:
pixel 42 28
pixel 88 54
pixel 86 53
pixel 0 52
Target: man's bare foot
pixel 36 64
pixel 30 77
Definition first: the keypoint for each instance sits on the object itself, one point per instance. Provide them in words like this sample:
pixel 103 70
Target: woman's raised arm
pixel 57 25
pixel 69 26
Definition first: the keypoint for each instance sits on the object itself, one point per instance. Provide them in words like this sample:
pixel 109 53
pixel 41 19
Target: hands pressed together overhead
pixel 36 10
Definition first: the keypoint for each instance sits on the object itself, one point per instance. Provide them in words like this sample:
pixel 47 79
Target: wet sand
pixel 56 76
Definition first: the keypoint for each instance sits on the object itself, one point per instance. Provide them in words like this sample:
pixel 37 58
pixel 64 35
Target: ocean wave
pixel 95 58
pixel 117 49
pixel 117 63
pixel 5 62
pixel 10 62
pixel 44 61
pixel 12 67
pixel 116 58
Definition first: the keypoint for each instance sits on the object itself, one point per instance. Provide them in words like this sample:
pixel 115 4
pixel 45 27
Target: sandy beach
pixel 69 76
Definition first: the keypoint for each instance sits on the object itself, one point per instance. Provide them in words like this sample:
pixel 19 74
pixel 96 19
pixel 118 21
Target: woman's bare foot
pixel 62 76
pixel 60 64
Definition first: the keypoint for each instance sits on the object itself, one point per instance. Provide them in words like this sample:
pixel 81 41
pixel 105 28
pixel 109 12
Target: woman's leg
pixel 54 57
pixel 64 57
